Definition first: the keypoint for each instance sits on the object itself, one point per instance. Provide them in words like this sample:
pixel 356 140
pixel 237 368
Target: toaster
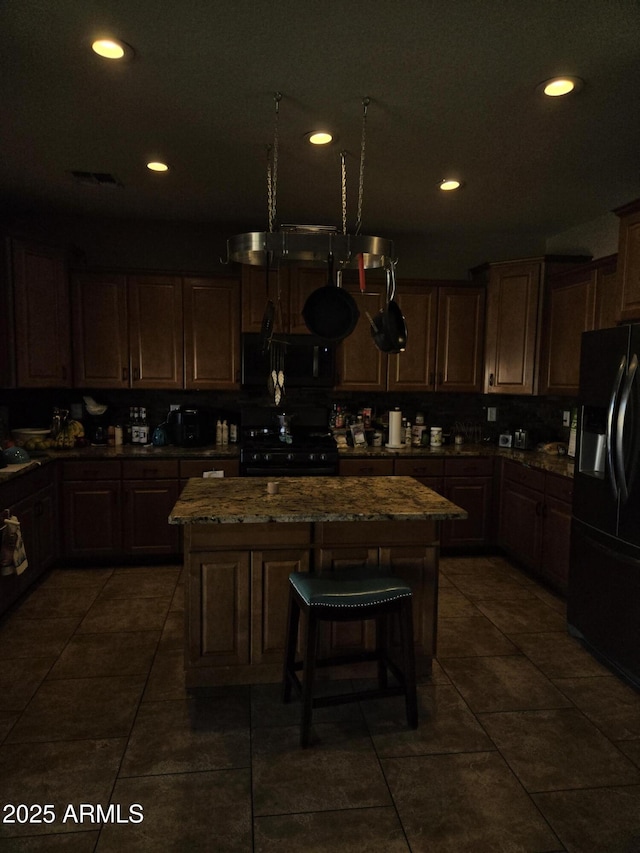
pixel 522 439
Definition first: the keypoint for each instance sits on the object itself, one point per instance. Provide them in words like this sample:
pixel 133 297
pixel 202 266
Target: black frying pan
pixel 388 327
pixel 330 312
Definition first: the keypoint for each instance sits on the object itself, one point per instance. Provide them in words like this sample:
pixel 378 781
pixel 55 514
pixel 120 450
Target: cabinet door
pixel 256 292
pixel 418 567
pixel 41 301
pixel 218 608
pixel 100 333
pixel 302 282
pixel 607 294
pixel 556 543
pixel 474 495
pixel 91 516
pixel 521 523
pixel 360 364
pixel 212 333
pixel 366 467
pixel 629 262
pixel 269 600
pixel 512 322
pixel 155 331
pixel 415 368
pixel 47 527
pixel 569 311
pixel 146 508
pixel 460 339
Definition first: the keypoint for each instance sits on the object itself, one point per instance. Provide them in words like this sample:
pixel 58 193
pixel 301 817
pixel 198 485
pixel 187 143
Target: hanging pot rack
pixel 311 243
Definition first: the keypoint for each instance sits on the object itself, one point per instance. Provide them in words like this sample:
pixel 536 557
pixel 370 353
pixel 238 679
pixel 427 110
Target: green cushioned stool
pixel 347 598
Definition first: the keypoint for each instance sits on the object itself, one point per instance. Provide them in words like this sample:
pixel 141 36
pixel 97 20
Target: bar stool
pixel 344 599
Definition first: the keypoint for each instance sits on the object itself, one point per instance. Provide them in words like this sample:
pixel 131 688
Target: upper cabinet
pixel 211 333
pixel 629 261
pixel 38 289
pixel 155 331
pixel 360 366
pixel 514 326
pixel 445 338
pixel 287 287
pixel 576 301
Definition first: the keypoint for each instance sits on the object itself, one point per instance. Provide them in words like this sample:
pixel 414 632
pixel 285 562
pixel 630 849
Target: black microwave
pixel 310 362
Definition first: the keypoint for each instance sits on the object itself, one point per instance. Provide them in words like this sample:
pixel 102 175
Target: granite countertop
pixel 310 499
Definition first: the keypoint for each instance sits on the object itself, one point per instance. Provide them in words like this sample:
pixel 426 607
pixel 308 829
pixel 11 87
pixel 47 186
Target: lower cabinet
pixel 32 499
pixel 114 509
pixel 237 590
pixel 535 521
pixel 466 481
pixel 366 467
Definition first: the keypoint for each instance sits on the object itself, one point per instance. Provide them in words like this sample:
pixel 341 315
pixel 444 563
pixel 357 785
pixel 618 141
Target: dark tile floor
pixel 525 743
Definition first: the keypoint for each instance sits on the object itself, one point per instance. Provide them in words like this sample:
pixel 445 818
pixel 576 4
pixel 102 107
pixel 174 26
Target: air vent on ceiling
pixel 96 179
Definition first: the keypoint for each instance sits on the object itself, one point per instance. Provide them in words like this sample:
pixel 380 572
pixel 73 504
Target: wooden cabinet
pixel 150 490
pixel 360 366
pixel 32 499
pixel 100 330
pixel 288 288
pixel 576 301
pixel 365 467
pixel 514 323
pixel 535 521
pixel 39 292
pixel 155 331
pixel 115 510
pixel 211 333
pixel 467 482
pixel 415 368
pixel 91 510
pixel 460 339
pixel 629 261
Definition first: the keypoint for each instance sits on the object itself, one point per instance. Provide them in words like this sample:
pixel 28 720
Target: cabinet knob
pixel 125 374
pixel 491 379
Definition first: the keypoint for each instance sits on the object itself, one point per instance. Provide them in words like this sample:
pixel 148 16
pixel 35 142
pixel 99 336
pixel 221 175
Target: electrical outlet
pixel 566 418
pixel 491 413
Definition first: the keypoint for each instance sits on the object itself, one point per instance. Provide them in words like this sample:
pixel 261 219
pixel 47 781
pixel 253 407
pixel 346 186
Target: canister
pixel 436 437
pixel 417 431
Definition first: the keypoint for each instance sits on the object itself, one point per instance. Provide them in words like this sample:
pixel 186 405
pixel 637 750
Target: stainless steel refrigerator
pixel 603 601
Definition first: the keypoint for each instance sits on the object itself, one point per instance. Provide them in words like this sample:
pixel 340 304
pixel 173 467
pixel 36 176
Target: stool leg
pixel 310 653
pixel 382 649
pixel 293 619
pixel 409 661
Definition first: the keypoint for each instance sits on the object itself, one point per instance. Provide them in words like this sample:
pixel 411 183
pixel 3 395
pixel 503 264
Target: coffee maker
pixel 191 427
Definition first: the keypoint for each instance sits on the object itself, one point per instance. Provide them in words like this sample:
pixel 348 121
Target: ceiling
pixel 452 88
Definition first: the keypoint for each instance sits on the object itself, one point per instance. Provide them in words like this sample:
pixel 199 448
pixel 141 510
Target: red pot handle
pixel 361 272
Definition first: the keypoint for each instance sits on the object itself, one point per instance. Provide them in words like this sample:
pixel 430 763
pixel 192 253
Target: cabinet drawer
pixel 559 487
pixel 419 467
pixel 529 477
pixel 152 469
pixel 470 466
pixel 196 467
pixel 91 470
pixel 366 467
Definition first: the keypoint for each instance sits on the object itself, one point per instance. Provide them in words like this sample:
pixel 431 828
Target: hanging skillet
pixel 388 327
pixel 330 312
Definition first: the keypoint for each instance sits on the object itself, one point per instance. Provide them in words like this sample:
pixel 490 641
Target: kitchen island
pixel 241 543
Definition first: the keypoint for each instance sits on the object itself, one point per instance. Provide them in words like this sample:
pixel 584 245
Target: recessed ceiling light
pixel 558 86
pixel 157 166
pixel 111 48
pixel 320 137
pixel 449 184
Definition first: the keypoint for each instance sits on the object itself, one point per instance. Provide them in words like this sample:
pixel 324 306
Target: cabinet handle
pixel 432 378
pixel 136 374
pixel 491 379
pixel 125 374
pixel 440 378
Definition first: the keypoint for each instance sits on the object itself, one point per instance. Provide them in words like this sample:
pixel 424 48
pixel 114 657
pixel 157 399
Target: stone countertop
pixel 552 462
pixel 310 499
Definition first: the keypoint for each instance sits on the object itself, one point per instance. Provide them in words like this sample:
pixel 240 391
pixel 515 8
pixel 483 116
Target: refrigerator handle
pixel 610 434
pixel 622 413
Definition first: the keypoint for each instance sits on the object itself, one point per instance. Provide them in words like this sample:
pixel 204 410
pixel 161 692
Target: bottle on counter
pixel 233 433
pixel 218 431
pixel 407 434
pixel 143 427
pixel 135 426
pixel 225 432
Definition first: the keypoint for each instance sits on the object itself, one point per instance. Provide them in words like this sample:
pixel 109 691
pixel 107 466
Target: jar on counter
pixel 417 433
pixel 436 437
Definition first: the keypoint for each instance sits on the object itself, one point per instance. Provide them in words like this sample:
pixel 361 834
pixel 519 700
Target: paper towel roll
pixel 395 429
